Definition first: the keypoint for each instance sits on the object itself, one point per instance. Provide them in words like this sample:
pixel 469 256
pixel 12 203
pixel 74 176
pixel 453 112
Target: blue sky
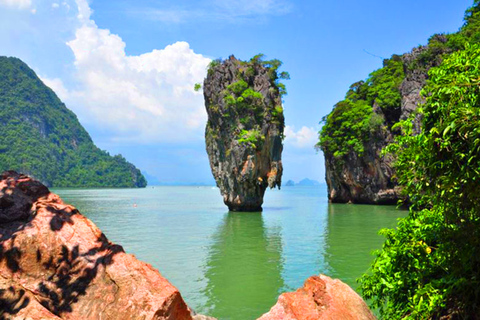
pixel 127 68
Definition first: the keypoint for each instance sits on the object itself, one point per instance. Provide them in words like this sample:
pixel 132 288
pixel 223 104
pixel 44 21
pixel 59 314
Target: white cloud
pixel 17 4
pixel 84 12
pixel 55 5
pixel 148 97
pixel 306 137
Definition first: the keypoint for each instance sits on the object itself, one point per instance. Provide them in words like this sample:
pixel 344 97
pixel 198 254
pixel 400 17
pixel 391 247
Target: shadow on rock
pixel 55 263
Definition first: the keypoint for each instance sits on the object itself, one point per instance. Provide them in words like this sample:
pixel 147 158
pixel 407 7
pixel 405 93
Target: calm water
pixel 234 265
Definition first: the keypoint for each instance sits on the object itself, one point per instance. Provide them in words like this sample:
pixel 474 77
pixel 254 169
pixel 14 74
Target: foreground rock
pixel 56 264
pixel 320 298
pixel 244 131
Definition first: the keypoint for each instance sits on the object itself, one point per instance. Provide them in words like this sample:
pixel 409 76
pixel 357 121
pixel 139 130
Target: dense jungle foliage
pixel 39 136
pixel 428 267
pixel 352 123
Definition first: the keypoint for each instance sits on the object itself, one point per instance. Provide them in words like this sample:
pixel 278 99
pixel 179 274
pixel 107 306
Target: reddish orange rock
pixel 320 298
pixel 56 264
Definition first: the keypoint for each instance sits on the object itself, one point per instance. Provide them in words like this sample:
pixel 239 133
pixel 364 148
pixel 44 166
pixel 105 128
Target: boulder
pixel 321 297
pixel 56 264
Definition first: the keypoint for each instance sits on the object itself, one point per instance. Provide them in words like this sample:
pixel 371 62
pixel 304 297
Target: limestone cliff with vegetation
pixel 364 123
pixel 42 138
pixel 244 131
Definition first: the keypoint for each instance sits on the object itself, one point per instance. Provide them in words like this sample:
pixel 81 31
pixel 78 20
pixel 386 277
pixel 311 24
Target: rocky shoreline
pixel 56 264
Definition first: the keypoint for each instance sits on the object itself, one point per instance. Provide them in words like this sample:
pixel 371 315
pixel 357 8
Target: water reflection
pixel 352 235
pixel 243 268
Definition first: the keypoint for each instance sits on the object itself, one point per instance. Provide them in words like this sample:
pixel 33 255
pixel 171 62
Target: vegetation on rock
pixel 245 127
pixel 39 136
pixel 347 128
pixel 242 101
pixel 364 123
pixel 428 267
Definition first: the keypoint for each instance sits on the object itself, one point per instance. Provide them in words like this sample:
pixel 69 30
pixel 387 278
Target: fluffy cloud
pixel 304 138
pixel 148 97
pixel 18 4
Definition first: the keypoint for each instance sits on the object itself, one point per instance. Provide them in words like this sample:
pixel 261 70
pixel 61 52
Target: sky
pixel 127 68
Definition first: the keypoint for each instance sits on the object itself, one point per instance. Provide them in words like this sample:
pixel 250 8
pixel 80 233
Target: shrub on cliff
pixel 349 126
pixel 429 266
pixel 346 129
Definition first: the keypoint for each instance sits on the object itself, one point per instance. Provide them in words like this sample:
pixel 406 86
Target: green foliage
pixel 383 84
pixel 238 87
pixel 382 88
pixel 345 127
pixel 212 65
pixel 240 96
pixel 428 266
pixel 41 137
pixel 241 110
pixel 251 137
pixel 258 58
pixel 197 87
pixel 272 66
pixel 284 75
pixel 352 122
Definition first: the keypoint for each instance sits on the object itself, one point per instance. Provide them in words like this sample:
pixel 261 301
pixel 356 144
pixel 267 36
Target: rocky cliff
pixel 244 132
pixel 361 126
pixel 56 264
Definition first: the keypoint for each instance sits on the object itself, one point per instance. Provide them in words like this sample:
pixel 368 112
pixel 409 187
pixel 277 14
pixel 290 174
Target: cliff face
pixel 40 136
pixel 56 264
pixel 367 176
pixel 244 131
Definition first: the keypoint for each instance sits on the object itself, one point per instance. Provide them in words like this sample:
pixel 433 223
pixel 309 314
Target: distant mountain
pixel 40 137
pixel 308 182
pixel 151 180
pixel 289 183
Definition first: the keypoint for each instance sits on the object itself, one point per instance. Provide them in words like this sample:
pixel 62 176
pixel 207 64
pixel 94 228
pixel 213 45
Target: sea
pixel 233 265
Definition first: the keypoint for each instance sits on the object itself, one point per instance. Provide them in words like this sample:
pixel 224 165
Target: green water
pixel 234 265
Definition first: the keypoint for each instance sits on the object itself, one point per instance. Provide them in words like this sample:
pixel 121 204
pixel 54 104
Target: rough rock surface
pixel 369 178
pixel 320 298
pixel 56 264
pixel 244 134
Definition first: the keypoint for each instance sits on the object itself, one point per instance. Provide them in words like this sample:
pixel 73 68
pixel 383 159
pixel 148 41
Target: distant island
pixel 40 137
pixel 308 182
pixel 303 183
